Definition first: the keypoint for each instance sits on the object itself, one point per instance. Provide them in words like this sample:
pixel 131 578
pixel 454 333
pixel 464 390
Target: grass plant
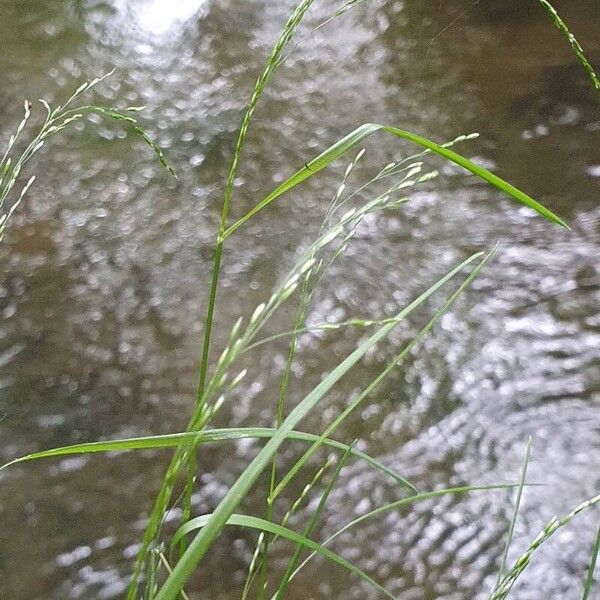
pixel 161 575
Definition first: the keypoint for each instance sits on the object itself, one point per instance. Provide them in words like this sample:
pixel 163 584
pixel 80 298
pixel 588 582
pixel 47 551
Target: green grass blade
pixel 357 136
pixel 167 566
pixel 404 502
pixel 282 532
pixel 589 580
pixel 208 436
pixel 203 540
pixel 377 381
pixel 577 49
pixel 513 522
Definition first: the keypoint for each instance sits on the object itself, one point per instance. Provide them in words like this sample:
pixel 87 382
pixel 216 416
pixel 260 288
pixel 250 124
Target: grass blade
pixel 174 440
pixel 513 522
pixel 282 532
pixel 589 580
pixel 398 504
pixel 357 136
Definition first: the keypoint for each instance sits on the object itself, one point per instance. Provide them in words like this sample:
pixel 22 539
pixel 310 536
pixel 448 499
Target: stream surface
pixel 106 269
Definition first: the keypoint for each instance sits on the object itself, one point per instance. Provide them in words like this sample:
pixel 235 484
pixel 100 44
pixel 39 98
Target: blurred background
pixel 106 268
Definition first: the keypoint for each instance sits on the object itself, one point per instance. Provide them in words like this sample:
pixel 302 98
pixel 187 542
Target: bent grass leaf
pixel 404 502
pixel 249 522
pixel 357 136
pixel 174 440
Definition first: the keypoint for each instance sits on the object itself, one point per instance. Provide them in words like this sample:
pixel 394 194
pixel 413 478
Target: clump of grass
pixel 166 573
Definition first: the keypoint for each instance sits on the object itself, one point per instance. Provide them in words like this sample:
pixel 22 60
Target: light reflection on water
pixel 106 267
pixel 157 17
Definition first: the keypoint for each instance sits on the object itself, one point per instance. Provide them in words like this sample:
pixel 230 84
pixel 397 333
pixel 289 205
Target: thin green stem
pixel 575 45
pixel 513 522
pixel 283 389
pixel 589 580
pixel 263 80
pixel 208 321
pixel 308 531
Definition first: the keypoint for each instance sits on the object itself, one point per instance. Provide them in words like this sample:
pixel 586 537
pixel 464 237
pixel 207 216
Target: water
pixel 106 270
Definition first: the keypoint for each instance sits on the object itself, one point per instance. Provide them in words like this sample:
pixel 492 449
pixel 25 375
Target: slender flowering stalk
pixel 57 120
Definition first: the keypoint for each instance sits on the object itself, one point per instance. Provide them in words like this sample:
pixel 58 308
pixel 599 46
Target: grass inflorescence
pixel 57 119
